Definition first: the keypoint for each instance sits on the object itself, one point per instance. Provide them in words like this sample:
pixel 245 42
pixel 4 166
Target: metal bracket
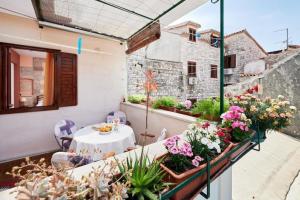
pixel 207 195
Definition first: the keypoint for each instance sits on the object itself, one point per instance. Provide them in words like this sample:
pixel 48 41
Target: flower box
pixel 190 188
pixel 171 109
pixel 241 148
pixel 184 112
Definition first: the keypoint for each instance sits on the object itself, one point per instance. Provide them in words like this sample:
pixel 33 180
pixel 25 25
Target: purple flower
pixel 195 162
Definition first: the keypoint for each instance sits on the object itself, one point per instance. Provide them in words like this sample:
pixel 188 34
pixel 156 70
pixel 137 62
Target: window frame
pixel 192 64
pixel 230 61
pixel 215 67
pixel 192 35
pixel 5 79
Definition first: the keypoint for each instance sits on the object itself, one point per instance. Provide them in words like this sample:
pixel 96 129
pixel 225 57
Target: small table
pixel 89 142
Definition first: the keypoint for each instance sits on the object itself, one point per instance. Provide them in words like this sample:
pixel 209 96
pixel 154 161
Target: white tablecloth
pixel 88 141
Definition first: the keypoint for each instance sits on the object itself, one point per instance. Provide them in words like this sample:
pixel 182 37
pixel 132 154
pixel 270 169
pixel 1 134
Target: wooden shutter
pixel 233 61
pixel 68 80
pixel 214 71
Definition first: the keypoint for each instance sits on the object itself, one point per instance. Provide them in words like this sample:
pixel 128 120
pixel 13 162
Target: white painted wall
pixel 101 86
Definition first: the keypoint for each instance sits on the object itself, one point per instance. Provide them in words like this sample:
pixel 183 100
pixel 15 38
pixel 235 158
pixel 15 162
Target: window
pixel 230 61
pixel 214 41
pixel 192 69
pixel 36 79
pixel 213 71
pixel 192 34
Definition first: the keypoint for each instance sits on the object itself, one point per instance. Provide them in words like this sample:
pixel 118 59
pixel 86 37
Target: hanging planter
pixel 190 188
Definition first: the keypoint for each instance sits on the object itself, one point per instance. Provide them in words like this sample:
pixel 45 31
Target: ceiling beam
pixel 77 29
pixel 124 9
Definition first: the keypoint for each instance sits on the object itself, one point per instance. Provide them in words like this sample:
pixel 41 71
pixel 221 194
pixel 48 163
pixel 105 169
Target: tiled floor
pixel 271 173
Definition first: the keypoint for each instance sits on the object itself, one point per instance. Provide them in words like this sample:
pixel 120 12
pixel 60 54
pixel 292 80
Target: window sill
pixel 27 109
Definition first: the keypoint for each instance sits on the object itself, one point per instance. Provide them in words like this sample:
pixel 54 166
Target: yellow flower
pixel 289 115
pixel 253 108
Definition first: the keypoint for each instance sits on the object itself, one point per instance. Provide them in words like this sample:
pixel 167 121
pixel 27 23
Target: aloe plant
pixel 146 177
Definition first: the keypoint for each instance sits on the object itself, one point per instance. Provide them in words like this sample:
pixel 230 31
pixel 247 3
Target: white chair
pixel 62 160
pixel 63 132
pixel 116 114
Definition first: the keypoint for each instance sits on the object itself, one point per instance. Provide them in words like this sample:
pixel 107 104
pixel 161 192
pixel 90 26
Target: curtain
pixel 49 80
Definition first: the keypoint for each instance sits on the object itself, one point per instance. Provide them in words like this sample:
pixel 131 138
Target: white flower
pixel 210 145
pixel 204 141
pixel 280 97
pixel 217 147
pixel 218 141
pixel 293 108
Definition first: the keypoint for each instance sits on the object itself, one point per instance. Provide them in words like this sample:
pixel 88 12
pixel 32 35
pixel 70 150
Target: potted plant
pixel 184 108
pixel 165 103
pixel 137 98
pixel 209 108
pixel 145 178
pixel 187 156
pixel 266 113
pixel 235 128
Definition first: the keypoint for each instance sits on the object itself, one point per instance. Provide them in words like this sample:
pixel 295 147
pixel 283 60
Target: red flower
pixel 205 125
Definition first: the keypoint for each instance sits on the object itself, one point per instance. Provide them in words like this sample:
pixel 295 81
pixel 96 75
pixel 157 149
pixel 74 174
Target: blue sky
pixel 260 17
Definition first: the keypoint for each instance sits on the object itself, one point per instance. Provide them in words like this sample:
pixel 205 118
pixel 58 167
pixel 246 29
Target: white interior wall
pixel 101 86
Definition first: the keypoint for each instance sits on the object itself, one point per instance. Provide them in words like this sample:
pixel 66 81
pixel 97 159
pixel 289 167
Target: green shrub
pixel 137 98
pixel 167 101
pixel 203 107
pixel 210 107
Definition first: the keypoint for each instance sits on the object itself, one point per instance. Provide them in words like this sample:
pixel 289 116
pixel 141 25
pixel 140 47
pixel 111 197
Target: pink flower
pixel 195 162
pixel 236 109
pixel 174 150
pixel 246 128
pixel 235 124
pixel 189 154
pixel 198 158
pixel 188 104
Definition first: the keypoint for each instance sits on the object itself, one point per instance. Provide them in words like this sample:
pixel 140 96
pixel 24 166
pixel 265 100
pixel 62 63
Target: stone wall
pixel 282 79
pixel 204 55
pixel 246 50
pixel 168 75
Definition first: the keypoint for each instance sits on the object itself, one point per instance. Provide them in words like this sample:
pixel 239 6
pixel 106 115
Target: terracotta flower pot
pixel 192 187
pixel 242 148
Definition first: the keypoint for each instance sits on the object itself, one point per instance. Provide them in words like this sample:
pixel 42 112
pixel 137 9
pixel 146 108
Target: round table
pixel 89 142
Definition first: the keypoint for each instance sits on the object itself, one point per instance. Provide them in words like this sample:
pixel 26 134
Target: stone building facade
pixel 246 49
pixel 180 45
pixel 169 57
